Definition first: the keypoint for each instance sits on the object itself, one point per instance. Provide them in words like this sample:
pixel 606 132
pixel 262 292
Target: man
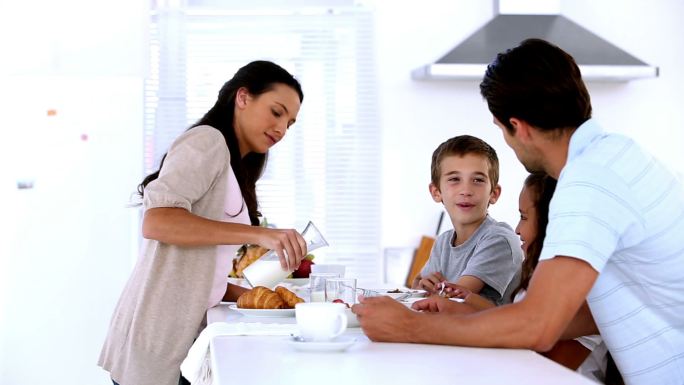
pixel 614 248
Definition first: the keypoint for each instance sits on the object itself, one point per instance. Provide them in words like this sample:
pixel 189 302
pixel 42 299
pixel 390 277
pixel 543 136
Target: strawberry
pixel 304 268
pixel 337 300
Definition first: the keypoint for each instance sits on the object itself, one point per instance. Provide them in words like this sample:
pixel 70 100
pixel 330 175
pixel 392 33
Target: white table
pixel 255 360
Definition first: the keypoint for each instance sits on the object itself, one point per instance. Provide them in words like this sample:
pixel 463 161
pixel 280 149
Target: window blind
pixel 327 169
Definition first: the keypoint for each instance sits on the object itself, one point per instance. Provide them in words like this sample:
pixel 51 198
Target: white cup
pixel 320 321
pixel 328 268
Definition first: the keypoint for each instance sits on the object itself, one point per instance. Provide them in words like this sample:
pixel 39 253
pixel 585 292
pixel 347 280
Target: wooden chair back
pixel 420 258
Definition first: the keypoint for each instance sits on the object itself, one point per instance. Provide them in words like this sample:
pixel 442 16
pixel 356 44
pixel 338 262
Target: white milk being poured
pixel 266 271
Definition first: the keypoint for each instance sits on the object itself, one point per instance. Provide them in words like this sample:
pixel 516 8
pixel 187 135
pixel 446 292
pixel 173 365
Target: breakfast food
pixel 264 298
pixel 304 268
pixel 260 298
pixel 245 256
pixel 337 300
pixel 288 297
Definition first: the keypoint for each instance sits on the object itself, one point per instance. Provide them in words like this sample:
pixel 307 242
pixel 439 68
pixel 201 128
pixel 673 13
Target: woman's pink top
pixel 233 205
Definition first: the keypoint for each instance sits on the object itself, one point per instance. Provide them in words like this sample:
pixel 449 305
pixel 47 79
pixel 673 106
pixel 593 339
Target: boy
pixel 479 254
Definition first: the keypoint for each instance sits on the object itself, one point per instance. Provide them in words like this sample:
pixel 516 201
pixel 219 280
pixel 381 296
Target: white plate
pixel 292 281
pixel 405 294
pixel 264 312
pixel 339 344
pixel 297 281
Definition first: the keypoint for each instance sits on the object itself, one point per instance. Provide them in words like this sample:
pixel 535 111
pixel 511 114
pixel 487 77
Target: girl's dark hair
pixel 541 187
pixel 257 77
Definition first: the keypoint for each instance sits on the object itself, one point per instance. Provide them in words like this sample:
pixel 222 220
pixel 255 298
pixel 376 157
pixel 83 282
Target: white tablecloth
pixel 268 360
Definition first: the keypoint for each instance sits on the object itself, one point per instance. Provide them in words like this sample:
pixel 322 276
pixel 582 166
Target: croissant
pixel 251 254
pixel 288 297
pixel 260 298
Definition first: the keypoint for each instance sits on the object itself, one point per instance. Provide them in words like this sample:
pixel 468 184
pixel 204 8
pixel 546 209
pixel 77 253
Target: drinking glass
pixel 317 285
pixel 341 289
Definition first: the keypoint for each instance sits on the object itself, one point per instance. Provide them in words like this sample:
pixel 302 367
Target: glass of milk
pixel 266 271
pixel 317 285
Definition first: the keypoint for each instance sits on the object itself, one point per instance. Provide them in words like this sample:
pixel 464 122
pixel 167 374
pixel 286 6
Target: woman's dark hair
pixel 541 187
pixel 539 83
pixel 257 77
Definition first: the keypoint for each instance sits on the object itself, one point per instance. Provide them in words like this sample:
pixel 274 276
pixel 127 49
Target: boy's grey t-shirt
pixel 492 254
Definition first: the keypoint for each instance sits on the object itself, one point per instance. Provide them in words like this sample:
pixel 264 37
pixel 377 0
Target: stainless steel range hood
pixel 598 59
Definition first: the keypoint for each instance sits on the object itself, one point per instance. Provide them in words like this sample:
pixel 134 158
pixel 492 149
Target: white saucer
pixel 339 344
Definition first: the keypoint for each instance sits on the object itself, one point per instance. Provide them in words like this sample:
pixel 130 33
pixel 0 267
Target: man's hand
pixel 384 319
pixel 437 304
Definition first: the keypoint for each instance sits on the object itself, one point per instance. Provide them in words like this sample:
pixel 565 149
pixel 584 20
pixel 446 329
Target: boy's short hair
pixel 460 146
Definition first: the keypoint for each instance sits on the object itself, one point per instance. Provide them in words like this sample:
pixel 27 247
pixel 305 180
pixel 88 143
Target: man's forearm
pixel 581 325
pixel 510 326
pixel 478 302
pixel 537 322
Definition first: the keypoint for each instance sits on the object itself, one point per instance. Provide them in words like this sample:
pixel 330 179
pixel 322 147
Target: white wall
pixel 417 116
pixel 67 245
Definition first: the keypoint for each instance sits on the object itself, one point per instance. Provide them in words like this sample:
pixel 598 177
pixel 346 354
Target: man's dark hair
pixel 539 83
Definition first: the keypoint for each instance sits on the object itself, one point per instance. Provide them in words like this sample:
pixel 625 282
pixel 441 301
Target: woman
pixel 199 207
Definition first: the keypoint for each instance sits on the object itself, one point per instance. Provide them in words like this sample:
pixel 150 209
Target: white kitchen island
pixel 257 360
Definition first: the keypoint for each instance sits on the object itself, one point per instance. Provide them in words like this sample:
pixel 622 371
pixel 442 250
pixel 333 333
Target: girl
pixel 199 207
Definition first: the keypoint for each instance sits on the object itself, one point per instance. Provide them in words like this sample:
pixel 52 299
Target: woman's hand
pixel 288 244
